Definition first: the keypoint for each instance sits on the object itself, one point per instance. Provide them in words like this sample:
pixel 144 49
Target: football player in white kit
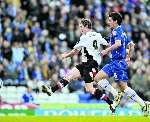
pixel 90 47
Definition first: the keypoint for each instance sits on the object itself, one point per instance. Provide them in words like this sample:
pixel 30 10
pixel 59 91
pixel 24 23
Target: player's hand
pixel 64 55
pixel 104 52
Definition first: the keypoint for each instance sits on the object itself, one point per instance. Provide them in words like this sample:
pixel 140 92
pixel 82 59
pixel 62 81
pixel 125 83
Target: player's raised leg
pixel 99 94
pixel 74 73
pixel 101 79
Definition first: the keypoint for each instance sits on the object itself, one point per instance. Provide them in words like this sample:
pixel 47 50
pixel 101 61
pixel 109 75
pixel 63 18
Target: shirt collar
pixel 116 27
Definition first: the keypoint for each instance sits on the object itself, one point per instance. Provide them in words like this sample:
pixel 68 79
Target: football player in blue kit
pixel 117 68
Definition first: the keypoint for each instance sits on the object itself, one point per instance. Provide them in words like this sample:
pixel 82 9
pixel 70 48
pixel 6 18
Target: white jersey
pixel 90 46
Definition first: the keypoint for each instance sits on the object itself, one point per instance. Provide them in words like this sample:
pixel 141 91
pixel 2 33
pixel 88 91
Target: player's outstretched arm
pixel 70 54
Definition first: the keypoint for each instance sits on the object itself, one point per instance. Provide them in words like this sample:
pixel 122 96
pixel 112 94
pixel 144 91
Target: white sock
pixel 133 95
pixel 106 86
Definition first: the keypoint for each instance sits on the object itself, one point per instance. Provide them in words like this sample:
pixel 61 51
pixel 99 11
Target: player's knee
pixel 122 85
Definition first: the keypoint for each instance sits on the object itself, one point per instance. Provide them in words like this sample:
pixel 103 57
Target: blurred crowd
pixel 34 33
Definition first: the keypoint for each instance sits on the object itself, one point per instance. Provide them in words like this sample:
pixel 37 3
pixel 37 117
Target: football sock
pixel 62 83
pixel 133 95
pixel 107 87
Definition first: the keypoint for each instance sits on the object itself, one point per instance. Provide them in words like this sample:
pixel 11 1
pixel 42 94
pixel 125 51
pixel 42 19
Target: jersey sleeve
pixel 80 44
pixel 104 42
pixel 117 35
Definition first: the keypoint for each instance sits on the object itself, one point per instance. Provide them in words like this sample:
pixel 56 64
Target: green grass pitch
pixel 74 119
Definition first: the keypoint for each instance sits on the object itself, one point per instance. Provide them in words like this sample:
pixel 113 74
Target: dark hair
pixel 86 23
pixel 116 17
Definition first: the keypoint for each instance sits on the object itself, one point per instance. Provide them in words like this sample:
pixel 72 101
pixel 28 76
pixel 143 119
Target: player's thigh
pixel 106 71
pixel 73 74
pixel 89 87
pixel 89 71
pixel 120 74
pixel 121 78
pixel 100 75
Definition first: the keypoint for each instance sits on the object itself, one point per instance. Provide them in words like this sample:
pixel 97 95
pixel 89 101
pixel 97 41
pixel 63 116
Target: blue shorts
pixel 117 69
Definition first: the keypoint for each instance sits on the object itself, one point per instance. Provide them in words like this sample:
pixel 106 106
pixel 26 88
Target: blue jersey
pixel 118 66
pixel 120 52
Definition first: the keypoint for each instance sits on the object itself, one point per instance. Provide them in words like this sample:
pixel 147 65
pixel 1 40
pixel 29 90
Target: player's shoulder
pixel 117 30
pixel 82 37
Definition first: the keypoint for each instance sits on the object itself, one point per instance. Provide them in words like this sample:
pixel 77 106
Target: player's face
pixel 110 22
pixel 82 29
